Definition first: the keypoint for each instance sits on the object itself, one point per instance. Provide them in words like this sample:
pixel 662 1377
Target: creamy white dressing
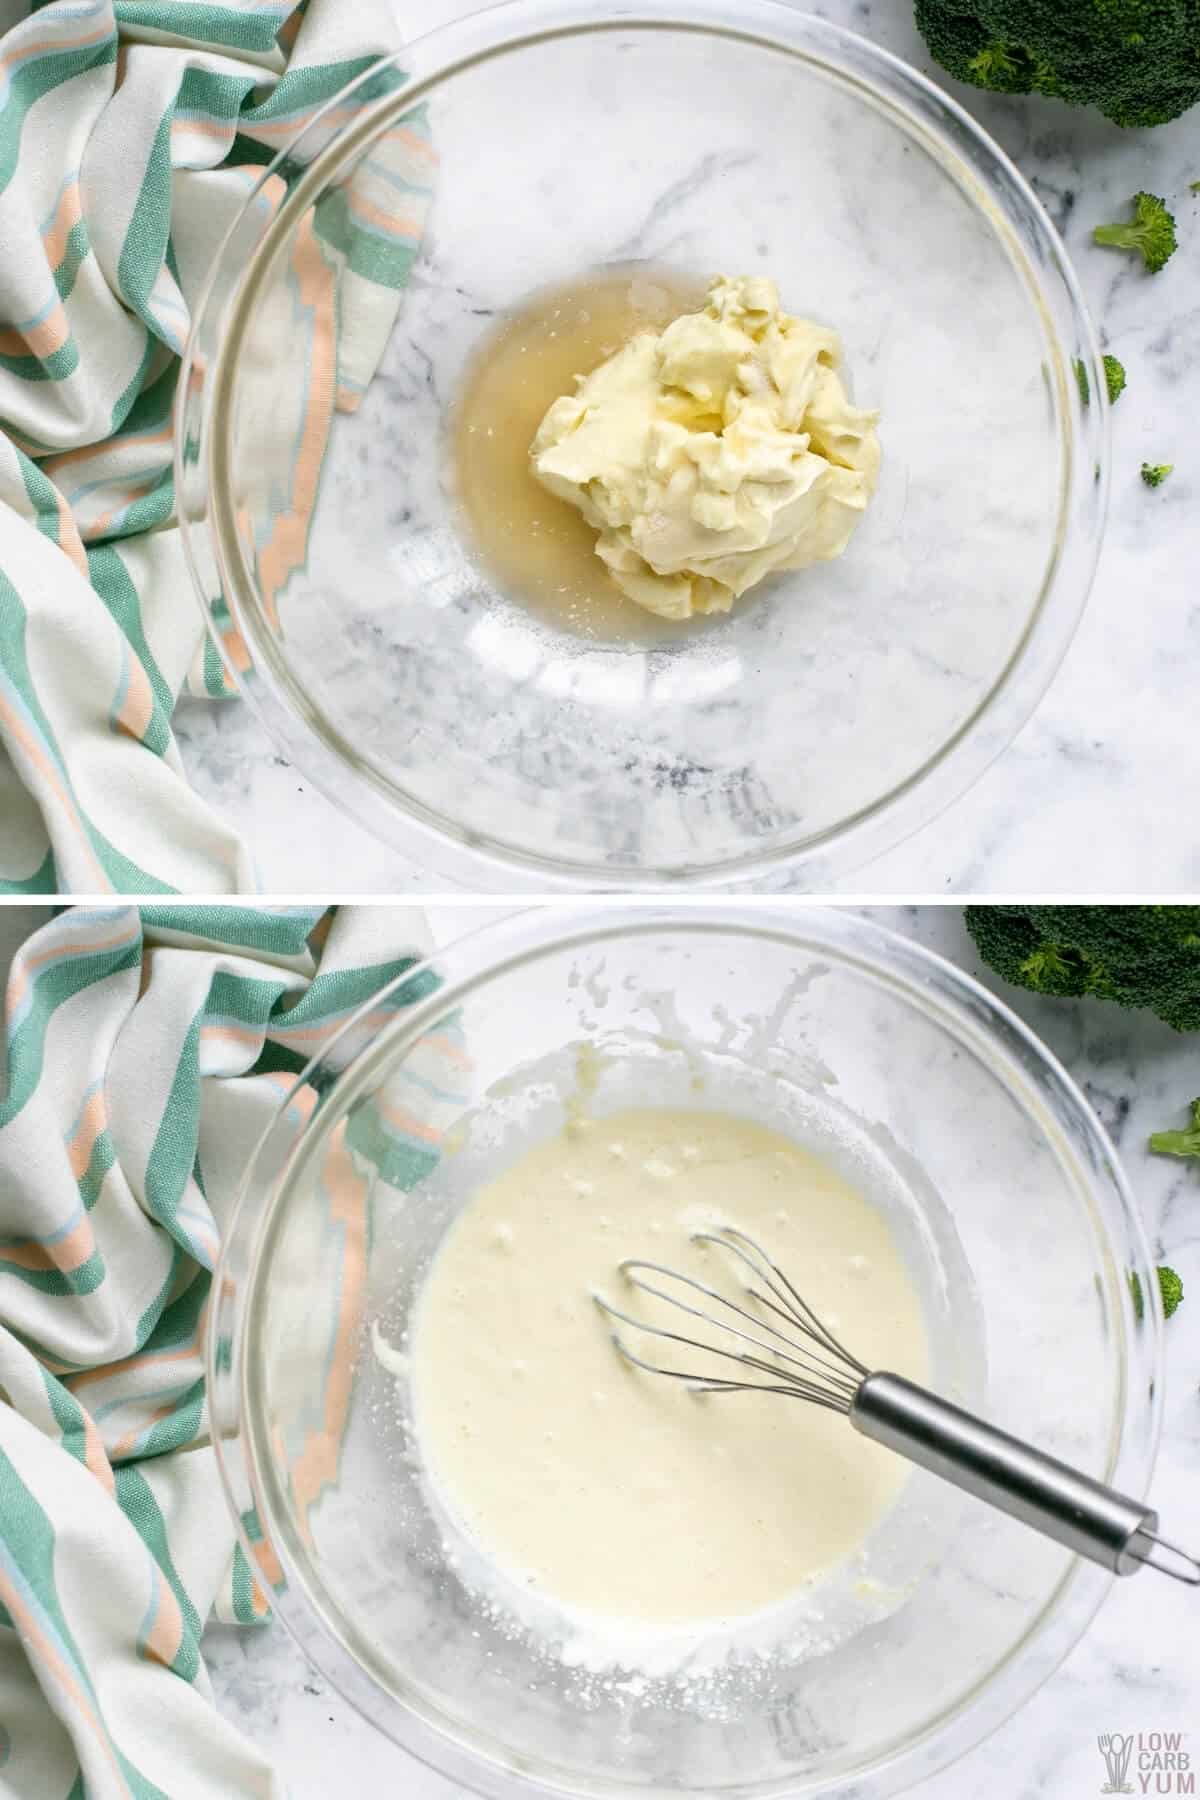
pixel 615 1491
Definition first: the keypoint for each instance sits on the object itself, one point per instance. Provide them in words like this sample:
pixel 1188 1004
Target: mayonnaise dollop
pixel 714 452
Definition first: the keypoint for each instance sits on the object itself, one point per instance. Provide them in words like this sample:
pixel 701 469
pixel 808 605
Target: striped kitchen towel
pixel 131 132
pixel 146 1051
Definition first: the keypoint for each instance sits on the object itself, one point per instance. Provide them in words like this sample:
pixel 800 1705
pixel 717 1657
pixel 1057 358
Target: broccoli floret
pixel 1171 1289
pixel 1180 1143
pixel 1154 474
pixel 997 68
pixel 1134 59
pixel 1151 232
pixel 1114 375
pixel 1135 955
pixel 1194 187
pixel 1114 378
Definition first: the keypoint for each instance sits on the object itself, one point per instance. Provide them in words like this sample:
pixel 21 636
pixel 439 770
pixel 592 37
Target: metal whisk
pixel 789 1351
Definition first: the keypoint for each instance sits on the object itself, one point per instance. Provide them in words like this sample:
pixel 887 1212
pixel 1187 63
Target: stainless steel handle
pixel 1089 1518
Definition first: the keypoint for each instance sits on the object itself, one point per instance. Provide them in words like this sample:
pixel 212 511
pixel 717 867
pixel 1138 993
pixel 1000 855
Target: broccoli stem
pixel 1179 1143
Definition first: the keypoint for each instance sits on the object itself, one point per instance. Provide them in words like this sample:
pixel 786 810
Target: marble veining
pixel 1133 1671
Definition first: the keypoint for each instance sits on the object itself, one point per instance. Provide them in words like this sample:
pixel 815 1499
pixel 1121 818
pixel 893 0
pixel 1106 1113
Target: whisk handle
pixel 1064 1504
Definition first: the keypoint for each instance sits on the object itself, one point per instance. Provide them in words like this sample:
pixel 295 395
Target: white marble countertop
pixel 1136 1669
pixel 1088 796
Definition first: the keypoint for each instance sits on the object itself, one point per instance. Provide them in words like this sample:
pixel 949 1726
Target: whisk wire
pixel 783 1350
pixel 717 1384
pixel 826 1376
pixel 795 1308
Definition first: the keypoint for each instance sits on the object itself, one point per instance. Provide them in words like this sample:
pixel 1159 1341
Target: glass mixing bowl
pixel 837 708
pixel 1005 1196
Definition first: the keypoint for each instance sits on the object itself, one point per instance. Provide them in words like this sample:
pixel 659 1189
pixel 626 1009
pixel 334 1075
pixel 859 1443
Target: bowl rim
pixel 929 981
pixel 988 180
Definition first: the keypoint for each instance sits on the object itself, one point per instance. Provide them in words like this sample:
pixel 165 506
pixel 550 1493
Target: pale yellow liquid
pixel 535 547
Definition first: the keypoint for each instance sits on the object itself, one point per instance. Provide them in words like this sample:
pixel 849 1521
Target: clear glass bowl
pixel 835 710
pixel 1006 1195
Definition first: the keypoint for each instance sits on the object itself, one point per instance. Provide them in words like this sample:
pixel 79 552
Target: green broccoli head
pixel 1134 59
pixel 1154 474
pixel 1171 1289
pixel 1135 955
pixel 1150 232
pixel 1114 375
pixel 1114 379
pixel 1180 1143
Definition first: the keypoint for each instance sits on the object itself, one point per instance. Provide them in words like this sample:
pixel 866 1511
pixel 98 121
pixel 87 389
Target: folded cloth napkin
pixel 146 1052
pixel 131 132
